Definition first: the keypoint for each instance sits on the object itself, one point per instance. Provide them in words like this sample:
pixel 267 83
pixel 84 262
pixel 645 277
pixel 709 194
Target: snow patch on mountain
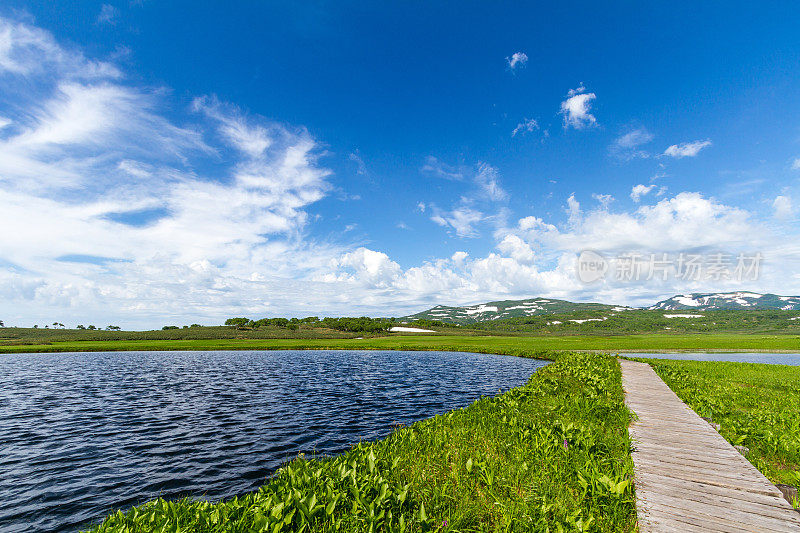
pixel 730 301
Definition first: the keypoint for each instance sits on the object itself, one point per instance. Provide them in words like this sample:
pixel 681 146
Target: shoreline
pixel 552 451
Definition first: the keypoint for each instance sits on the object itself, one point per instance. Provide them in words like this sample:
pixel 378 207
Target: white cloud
pixel 640 190
pixel 514 247
pixel 576 109
pixel 439 169
pixel 361 167
pixel 796 164
pixel 79 129
pixel 462 219
pixel 783 207
pixel 488 181
pixel 470 210
pixel 603 199
pixel 538 258
pixel 627 146
pixel 526 126
pixel 690 149
pixel 458 258
pixel 517 60
pixel 108 15
pixel 26 51
pixel 230 198
pixel 573 209
pixel 92 152
pixel 685 221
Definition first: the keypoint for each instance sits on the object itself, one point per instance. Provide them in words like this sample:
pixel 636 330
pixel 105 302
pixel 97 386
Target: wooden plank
pixel 688 478
pixel 678 485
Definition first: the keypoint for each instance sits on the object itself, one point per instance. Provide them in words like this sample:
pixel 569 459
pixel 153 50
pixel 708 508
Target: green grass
pixel 756 405
pixel 552 455
pixel 42 335
pixel 484 344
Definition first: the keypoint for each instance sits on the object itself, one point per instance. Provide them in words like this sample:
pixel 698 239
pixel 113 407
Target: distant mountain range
pixel 471 314
pixel 729 300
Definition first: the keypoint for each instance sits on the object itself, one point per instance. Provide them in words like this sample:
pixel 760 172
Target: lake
pixel 82 434
pixel 792 359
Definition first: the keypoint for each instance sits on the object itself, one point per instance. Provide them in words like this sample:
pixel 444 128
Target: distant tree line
pixel 350 324
pixel 427 323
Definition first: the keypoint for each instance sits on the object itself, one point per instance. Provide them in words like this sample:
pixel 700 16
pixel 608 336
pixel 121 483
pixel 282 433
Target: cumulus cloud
pixel 513 246
pixel 517 60
pixel 783 207
pixel 690 149
pixel 535 257
pixel 688 220
pixel 576 109
pixel 640 190
pixel 526 126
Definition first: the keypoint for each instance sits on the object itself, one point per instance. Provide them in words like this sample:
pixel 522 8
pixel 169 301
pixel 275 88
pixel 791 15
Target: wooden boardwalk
pixel 688 477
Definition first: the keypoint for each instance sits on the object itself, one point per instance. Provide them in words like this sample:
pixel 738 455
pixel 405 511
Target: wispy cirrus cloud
pixel 26 50
pixel 526 126
pixel 361 167
pixel 688 149
pixel 483 191
pixel 627 146
pixel 108 15
pixel 94 156
pixel 434 167
pixel 462 219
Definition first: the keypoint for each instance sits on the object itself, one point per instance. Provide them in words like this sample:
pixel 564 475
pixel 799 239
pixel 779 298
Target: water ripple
pixel 82 434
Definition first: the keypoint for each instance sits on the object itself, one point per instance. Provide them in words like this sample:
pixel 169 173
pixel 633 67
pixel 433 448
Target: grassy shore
pixel 552 455
pixel 757 406
pixel 484 344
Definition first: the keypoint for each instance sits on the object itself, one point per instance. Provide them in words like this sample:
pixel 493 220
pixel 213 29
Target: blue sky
pixel 187 162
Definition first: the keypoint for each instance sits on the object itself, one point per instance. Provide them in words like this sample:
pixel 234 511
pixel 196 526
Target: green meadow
pixel 511 345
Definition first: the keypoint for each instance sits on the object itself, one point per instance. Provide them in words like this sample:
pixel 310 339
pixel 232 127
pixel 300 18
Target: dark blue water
pixel 82 434
pixel 792 359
